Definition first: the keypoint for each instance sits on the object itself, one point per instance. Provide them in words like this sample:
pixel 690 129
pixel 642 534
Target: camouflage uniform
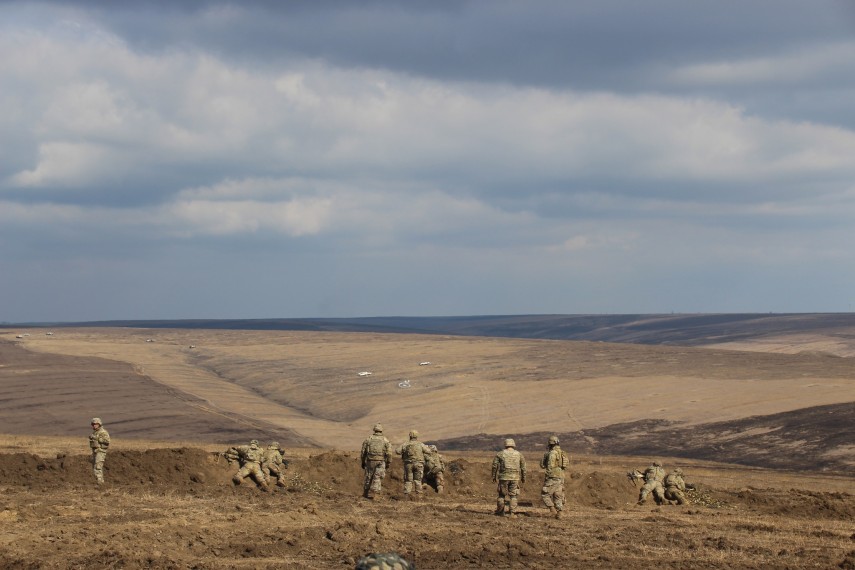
pixel 653 477
pixel 250 460
pixel 413 453
pixel 273 464
pixel 376 456
pixel 434 468
pixel 384 561
pixel 554 462
pixel 99 441
pixel 675 487
pixel 509 471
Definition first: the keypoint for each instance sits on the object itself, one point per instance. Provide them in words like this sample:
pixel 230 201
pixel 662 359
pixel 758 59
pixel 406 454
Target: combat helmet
pixel 275 445
pixel 510 443
pixel 254 442
pixel 657 464
pixel 678 471
pixel 378 428
pixel 553 440
pixel 432 448
pixel 384 561
pixel 414 434
pixel 97 421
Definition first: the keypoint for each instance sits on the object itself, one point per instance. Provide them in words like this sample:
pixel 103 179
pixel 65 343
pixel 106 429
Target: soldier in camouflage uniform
pixel 675 487
pixel 509 472
pixel 250 461
pixel 434 469
pixel 554 462
pixel 99 441
pixel 653 477
pixel 384 561
pixel 273 464
pixel 376 456
pixel 413 454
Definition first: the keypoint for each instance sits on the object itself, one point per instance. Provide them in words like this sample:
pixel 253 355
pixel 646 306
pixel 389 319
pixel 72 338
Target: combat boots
pixel 558 514
pixel 553 511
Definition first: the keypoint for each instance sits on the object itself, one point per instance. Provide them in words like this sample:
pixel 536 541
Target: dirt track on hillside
pixel 175 508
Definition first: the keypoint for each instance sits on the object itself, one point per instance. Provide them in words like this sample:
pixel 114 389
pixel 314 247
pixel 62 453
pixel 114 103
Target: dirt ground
pixel 176 508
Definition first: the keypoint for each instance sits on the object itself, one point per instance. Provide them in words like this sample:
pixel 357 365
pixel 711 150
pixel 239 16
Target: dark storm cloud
pixel 608 44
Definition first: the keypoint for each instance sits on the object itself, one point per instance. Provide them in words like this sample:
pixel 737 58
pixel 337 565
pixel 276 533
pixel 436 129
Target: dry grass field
pixel 172 398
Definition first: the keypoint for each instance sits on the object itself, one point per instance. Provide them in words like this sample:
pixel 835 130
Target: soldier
pixel 554 462
pixel 413 453
pixel 376 457
pixel 434 469
pixel 509 472
pixel 250 462
pixel 675 487
pixel 653 477
pixel 273 464
pixel 99 441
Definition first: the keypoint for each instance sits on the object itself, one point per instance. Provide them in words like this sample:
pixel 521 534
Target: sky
pixel 285 159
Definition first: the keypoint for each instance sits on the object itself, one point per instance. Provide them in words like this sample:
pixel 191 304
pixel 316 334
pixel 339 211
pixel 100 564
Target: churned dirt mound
pixel 177 508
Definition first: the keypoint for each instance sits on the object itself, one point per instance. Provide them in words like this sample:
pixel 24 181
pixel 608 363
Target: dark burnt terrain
pixel 805 439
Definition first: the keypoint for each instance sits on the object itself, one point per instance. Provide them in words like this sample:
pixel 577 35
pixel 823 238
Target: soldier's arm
pixel 495 468
pixel 104 439
pixel 522 468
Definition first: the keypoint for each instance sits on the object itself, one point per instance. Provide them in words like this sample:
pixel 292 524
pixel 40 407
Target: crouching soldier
pixel 435 469
pixel 273 464
pixel 250 458
pixel 675 487
pixel 653 477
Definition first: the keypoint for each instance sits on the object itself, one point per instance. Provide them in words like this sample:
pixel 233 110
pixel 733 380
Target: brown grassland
pixel 169 502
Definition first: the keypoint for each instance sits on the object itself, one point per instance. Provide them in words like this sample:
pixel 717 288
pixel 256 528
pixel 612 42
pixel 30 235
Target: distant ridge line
pixel 679 329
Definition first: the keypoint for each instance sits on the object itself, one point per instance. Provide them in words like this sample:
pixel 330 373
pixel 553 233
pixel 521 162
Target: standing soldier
pixel 653 477
pixel 273 464
pixel 675 487
pixel 554 462
pixel 413 454
pixel 99 441
pixel 434 468
pixel 376 457
pixel 509 472
pixel 250 464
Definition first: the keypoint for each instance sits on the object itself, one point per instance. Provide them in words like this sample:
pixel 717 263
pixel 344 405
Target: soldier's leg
pixel 513 492
pixel 440 482
pixel 558 499
pixel 240 475
pixel 659 493
pixel 258 476
pixel 418 476
pixel 276 471
pixel 366 481
pixel 378 476
pixel 408 478
pixel 98 458
pixel 546 495
pixel 645 490
pixel 500 500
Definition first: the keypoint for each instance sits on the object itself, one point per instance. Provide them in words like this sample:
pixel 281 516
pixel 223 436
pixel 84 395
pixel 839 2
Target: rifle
pixel 634 476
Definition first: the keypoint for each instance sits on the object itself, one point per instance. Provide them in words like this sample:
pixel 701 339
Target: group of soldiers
pixel 423 465
pixel 260 464
pixel 665 488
